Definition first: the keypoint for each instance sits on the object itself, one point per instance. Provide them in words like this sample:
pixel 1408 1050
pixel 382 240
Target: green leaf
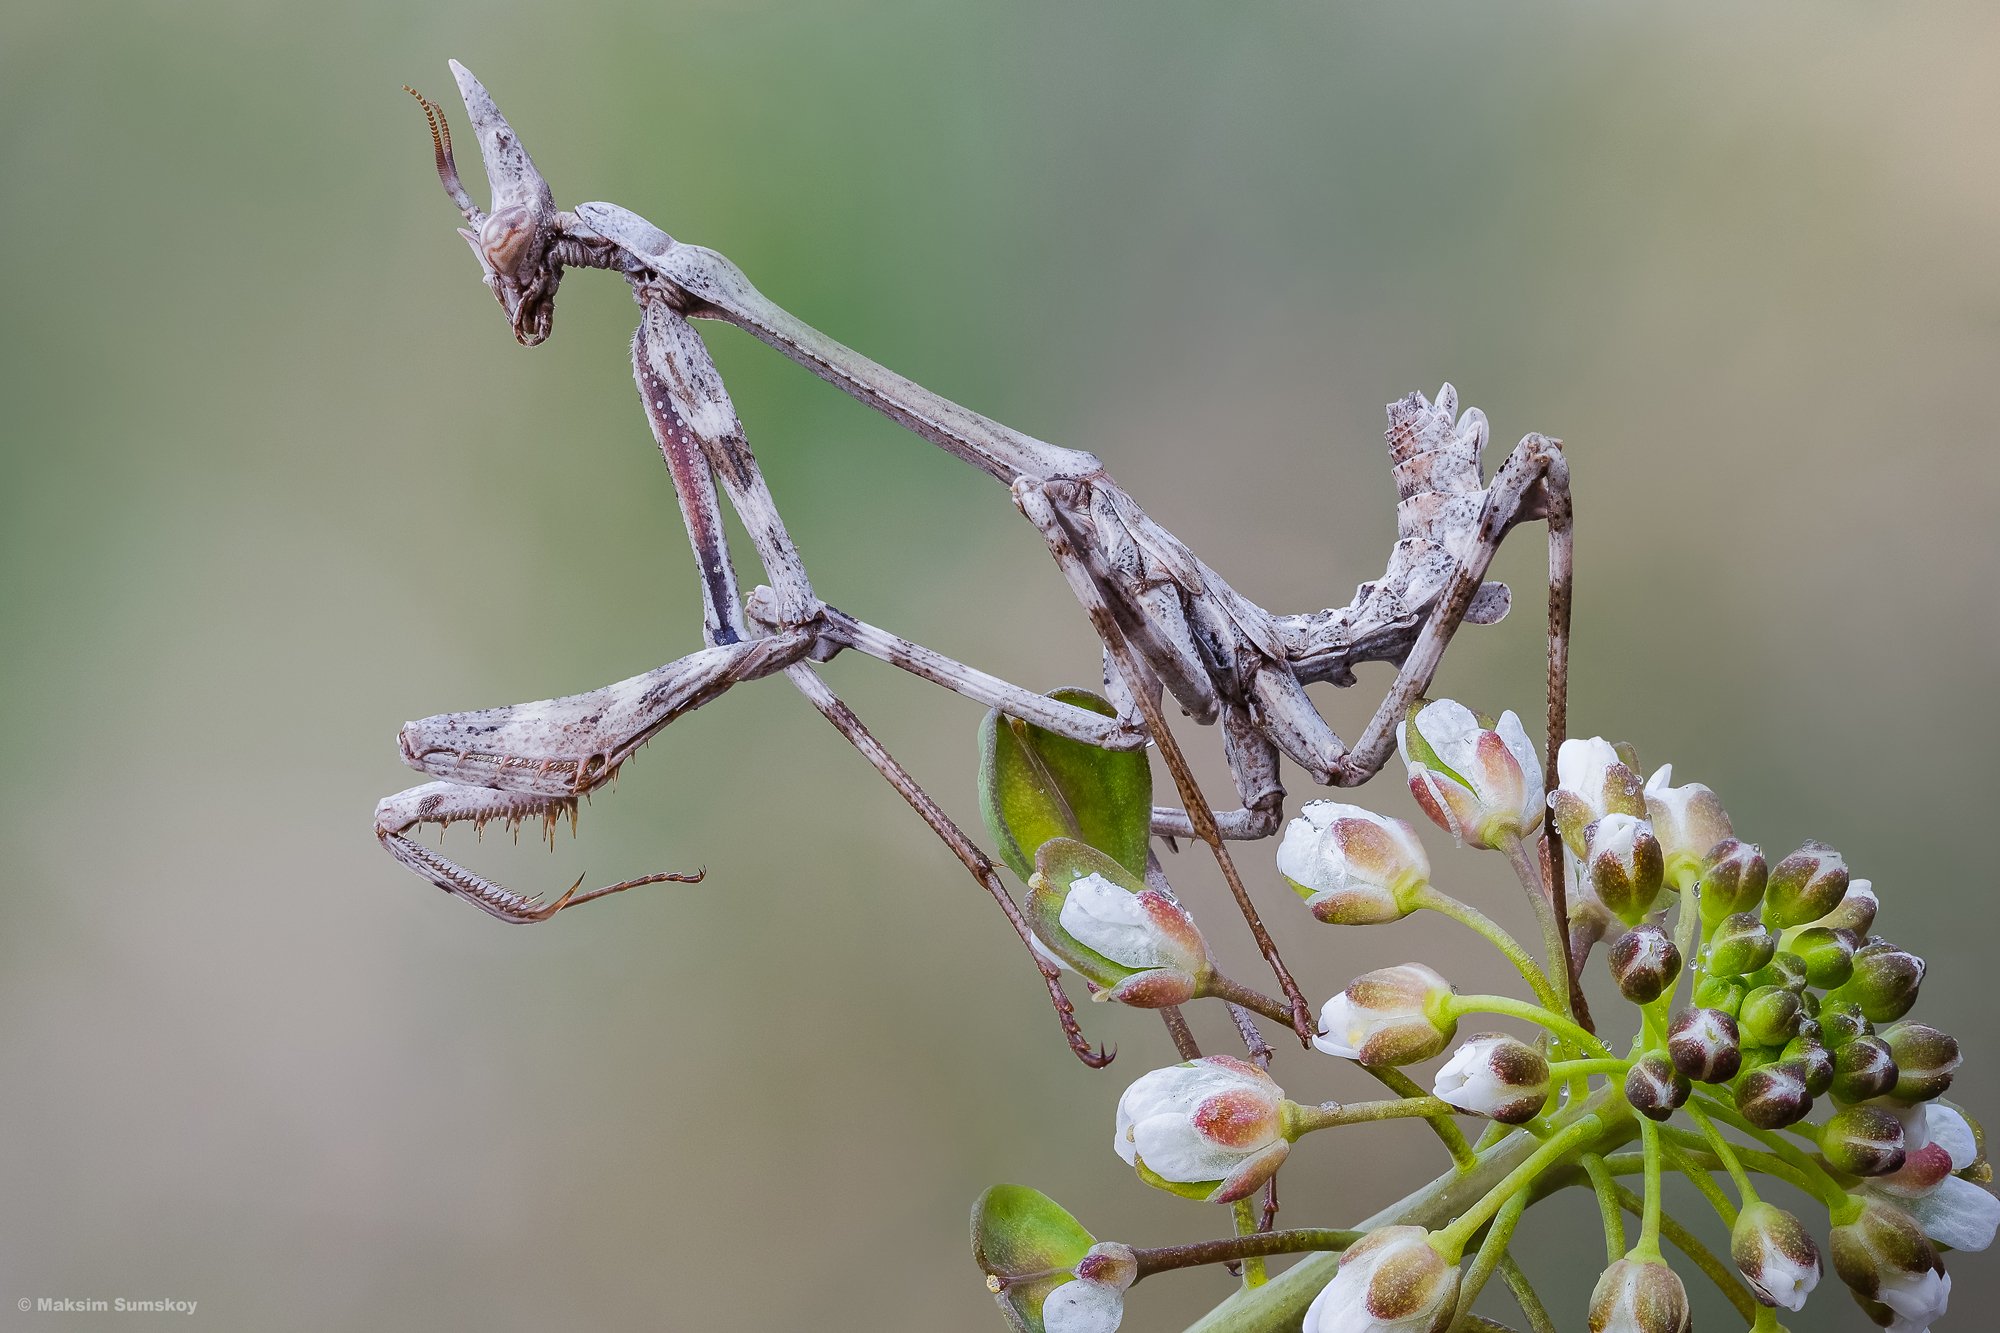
pixel 1017 1231
pixel 1035 785
pixel 1031 1244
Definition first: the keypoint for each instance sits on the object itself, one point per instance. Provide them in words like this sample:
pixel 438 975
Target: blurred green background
pixel 277 478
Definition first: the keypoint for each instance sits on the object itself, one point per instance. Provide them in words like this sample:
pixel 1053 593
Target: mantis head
pixel 515 240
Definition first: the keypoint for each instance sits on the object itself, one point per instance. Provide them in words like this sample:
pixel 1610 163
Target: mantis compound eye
pixel 504 239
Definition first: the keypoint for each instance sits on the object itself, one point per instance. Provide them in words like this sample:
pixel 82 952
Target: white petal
pixel 1173 1149
pixel 1957 1213
pixel 1449 727
pixel 1951 1131
pixel 1661 781
pixel 1516 736
pixel 1083 1307
pixel 1106 918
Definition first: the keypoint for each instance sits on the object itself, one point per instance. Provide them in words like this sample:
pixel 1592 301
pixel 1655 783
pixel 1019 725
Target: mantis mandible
pixel 1170 625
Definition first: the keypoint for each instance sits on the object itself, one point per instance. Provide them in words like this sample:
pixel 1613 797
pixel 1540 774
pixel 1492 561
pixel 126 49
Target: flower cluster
pixel 1772 1046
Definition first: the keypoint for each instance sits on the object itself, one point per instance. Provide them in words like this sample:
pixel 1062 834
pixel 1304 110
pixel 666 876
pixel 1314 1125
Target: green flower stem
pixel 1648 1245
pixel 1235 992
pixel 1553 943
pixel 1524 1295
pixel 1727 1152
pixel 1256 1245
pixel 1606 1190
pixel 1300 1119
pixel 1254 1274
pixel 1447 1130
pixel 1823 1186
pixel 1487 1259
pixel 1458 1006
pixel 1452 1239
pixel 1688 938
pixel 1695 1148
pixel 1282 1302
pixel 1698 1175
pixel 1496 935
pixel 1720 1273
pixel 1610 1064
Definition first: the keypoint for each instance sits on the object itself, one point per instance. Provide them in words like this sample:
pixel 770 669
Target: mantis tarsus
pixel 1168 622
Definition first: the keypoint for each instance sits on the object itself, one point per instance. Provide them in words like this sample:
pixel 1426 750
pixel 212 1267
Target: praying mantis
pixel 1169 624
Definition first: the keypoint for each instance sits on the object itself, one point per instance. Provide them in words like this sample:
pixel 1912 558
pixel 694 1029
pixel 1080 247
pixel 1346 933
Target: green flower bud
pixel 1885 981
pixel 1768 1016
pixel 1863 1069
pixel 1740 945
pixel 1733 877
pixel 1841 1021
pixel 1705 1046
pixel 1655 1088
pixel 1828 955
pixel 1883 1256
pixel 1634 1296
pixel 1774 1095
pixel 1775 1254
pixel 1645 963
pixel 1814 1062
pixel 1925 1058
pixel 1855 911
pixel 1721 993
pixel 1785 971
pixel 1805 886
pixel 1863 1140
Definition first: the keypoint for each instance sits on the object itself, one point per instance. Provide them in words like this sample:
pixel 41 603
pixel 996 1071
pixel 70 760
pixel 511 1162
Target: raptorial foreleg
pixel 443 803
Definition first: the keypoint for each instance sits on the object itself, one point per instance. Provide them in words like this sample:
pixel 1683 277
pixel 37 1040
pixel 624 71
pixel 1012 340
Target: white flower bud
pixel 1393 1280
pixel 1082 1306
pixel 1495 1075
pixel 1775 1255
pixel 1211 1124
pixel 1592 781
pixel 1482 785
pixel 1634 1296
pixel 1392 1016
pixel 1688 820
pixel 1352 866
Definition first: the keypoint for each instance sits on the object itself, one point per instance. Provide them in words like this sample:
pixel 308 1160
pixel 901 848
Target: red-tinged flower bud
pixel 1592 781
pixel 1688 820
pixel 1724 994
pixel 1828 955
pixel 1885 1258
pixel 1482 784
pixel 1733 876
pixel 1095 1301
pixel 1805 886
pixel 1391 1016
pixel 1624 866
pixel 1393 1280
pixel 1774 1095
pixel 1813 1061
pixel 1841 1021
pixel 1136 945
pixel 1705 1045
pixel 1925 1059
pixel 1352 866
pixel 1775 1254
pixel 1863 1141
pixel 1768 1016
pixel 1740 945
pixel 1863 1069
pixel 1644 963
pixel 1854 912
pixel 1495 1075
pixel 1634 1296
pixel 1885 981
pixel 1655 1088
pixel 1209 1129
